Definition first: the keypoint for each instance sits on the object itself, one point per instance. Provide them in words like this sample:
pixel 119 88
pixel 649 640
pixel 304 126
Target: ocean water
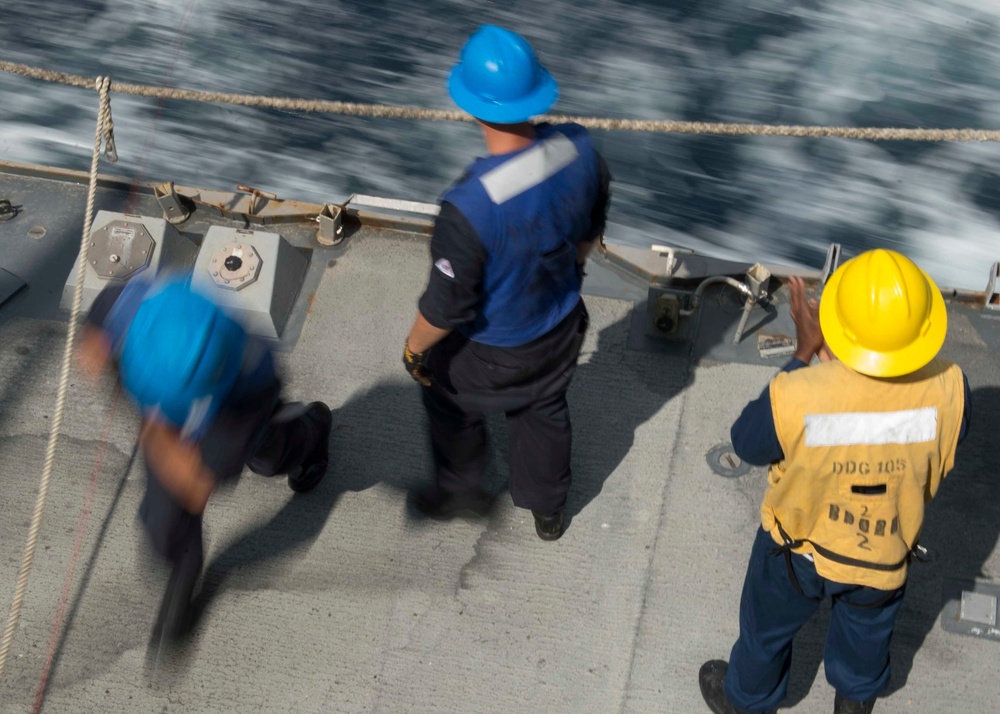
pixel 906 63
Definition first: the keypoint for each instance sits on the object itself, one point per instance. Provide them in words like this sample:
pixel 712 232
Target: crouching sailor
pixel 210 402
pixel 501 324
pixel 857 447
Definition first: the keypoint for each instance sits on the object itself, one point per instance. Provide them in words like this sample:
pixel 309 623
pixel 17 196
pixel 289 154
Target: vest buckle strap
pixel 786 549
pixel 789 543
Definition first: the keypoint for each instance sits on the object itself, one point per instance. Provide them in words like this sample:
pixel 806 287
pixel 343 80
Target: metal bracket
pixel 671 254
pixel 757 279
pixel 993 291
pixel 832 262
pixel 176 208
pixel 331 230
pixel 255 193
pixel 666 314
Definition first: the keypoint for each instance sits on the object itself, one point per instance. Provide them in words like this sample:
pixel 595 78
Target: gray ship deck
pixel 341 601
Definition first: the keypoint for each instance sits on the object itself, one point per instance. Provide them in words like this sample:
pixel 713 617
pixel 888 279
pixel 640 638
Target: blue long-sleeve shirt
pixel 755 439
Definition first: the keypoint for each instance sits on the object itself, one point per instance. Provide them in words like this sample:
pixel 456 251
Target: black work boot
pixel 842 705
pixel 434 502
pixel 313 467
pixel 710 678
pixel 549 526
pixel 176 613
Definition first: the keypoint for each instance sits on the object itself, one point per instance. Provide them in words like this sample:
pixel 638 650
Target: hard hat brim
pixel 521 110
pixel 881 364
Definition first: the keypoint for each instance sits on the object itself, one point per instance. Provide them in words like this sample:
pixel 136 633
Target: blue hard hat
pixel 181 354
pixel 499 79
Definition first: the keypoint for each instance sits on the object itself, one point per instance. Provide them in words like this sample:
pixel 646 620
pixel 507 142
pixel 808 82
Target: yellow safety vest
pixel 863 457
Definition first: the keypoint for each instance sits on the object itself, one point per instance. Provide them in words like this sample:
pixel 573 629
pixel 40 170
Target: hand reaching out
pixel 805 315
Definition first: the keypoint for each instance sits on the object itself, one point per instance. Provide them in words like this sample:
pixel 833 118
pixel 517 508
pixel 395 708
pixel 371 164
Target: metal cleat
pixel 992 304
pixel 671 256
pixel 176 208
pixel 331 230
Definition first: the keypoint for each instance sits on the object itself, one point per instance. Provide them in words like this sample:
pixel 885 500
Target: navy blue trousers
pixel 772 610
pixel 527 383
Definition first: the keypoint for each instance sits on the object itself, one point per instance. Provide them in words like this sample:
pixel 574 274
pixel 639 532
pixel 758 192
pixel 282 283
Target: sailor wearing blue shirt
pixel 502 308
pixel 211 404
pixel 857 445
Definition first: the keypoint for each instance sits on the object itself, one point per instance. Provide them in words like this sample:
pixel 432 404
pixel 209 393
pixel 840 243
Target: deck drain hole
pixel 722 459
pixel 36 232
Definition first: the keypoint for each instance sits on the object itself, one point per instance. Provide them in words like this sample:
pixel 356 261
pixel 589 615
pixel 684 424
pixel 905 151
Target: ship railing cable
pixel 387 111
pixel 103 135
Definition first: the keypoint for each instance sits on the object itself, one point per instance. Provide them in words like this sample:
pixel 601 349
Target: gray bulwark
pixel 122 246
pixel 254 274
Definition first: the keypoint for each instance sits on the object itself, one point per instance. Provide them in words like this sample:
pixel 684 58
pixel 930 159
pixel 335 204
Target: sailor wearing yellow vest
pixel 857 447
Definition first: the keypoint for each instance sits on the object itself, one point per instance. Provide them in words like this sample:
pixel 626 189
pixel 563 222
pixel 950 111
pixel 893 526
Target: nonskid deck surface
pixel 341 600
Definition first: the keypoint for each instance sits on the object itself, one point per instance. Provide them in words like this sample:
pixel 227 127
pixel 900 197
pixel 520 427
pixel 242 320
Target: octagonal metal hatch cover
pixel 120 249
pixel 235 265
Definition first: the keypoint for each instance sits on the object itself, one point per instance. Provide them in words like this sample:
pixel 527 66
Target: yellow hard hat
pixel 882 315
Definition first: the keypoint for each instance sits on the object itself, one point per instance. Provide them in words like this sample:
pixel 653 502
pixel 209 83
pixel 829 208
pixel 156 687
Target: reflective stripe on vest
pixel 863 456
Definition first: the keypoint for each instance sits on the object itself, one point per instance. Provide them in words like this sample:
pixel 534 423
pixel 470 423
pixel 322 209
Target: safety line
pixel 387 111
pixel 103 85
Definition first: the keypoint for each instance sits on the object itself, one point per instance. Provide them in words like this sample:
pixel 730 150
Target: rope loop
pixel 103 86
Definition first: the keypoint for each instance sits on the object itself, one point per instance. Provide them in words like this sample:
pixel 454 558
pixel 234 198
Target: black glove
pixel 414 363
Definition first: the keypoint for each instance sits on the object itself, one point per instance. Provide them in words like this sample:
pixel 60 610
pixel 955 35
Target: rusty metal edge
pixel 424 226
pixel 53 173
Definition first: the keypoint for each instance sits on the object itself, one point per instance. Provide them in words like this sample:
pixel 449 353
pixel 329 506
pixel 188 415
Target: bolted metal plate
pixel 978 608
pixel 120 249
pixel 724 461
pixel 970 608
pixel 235 266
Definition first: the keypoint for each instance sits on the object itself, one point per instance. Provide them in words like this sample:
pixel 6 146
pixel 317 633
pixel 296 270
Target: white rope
pixel 102 134
pixel 387 111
